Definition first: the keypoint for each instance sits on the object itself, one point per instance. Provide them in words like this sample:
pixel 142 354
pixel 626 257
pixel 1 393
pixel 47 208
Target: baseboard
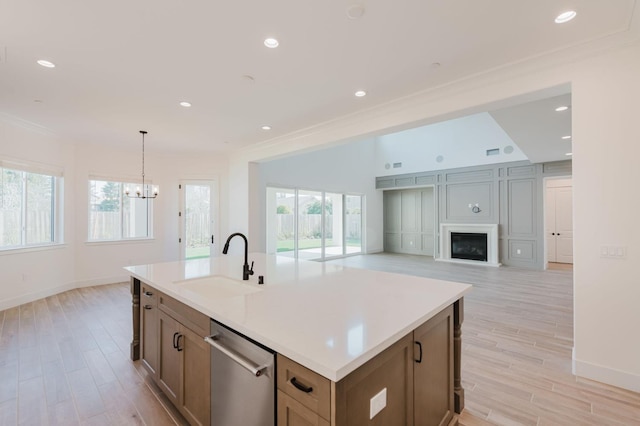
pixel 610 376
pixel 37 295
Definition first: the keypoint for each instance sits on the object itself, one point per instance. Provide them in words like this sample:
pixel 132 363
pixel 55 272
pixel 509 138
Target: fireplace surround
pixel 491 251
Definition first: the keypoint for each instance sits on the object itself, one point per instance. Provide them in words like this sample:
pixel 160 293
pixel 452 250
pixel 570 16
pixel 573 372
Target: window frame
pixel 57 205
pixel 123 184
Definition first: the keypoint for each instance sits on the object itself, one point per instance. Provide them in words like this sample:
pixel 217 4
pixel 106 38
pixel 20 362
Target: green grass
pixel 197 253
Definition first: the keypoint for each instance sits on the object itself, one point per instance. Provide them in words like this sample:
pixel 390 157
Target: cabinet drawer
pixel 318 399
pixel 191 318
pixel 293 413
pixel 148 295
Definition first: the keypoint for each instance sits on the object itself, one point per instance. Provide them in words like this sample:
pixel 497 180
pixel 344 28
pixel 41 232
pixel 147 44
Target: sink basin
pixel 217 287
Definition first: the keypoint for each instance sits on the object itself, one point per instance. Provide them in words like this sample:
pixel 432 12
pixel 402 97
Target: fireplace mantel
pixel 481 228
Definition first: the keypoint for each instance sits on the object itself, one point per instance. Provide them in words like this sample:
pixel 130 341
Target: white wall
pixel 102 262
pixel 606 146
pixel 461 142
pixel 27 275
pixel 32 273
pixel 343 169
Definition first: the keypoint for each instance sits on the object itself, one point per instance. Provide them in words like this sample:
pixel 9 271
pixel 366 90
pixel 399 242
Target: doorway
pixel 558 210
pixel 198 211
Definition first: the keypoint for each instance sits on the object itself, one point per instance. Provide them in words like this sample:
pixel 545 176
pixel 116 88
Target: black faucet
pixel 246 271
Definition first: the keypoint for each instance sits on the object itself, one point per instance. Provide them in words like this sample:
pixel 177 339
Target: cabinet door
pixel 293 413
pixel 170 364
pixel 433 370
pixel 196 358
pixel 149 326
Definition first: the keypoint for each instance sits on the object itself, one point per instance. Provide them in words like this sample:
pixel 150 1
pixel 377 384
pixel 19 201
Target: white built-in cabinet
pixel 559 220
pixel 409 221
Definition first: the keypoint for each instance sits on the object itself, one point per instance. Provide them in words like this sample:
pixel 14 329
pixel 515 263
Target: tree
pixel 316 207
pixel 111 201
pixel 281 209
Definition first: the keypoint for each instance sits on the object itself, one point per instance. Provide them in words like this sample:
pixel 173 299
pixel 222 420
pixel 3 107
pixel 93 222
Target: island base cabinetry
pixel 414 377
pixel 175 354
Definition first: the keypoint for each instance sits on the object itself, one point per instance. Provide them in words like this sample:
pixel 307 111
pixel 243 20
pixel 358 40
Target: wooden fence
pixel 310 225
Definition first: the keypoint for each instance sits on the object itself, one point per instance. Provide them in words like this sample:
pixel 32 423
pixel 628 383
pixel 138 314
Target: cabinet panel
pixel 433 370
pixel 169 369
pixel 391 370
pixel 293 413
pixel 149 329
pixel 197 378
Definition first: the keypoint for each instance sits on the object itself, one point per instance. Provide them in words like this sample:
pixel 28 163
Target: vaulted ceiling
pixel 122 66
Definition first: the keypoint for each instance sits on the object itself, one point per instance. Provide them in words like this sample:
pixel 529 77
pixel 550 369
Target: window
pixel 313 224
pixel 114 216
pixel 28 206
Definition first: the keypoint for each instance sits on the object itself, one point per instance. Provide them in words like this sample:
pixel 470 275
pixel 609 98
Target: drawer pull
pixel 148 307
pixel 300 386
pixel 148 293
pixel 419 360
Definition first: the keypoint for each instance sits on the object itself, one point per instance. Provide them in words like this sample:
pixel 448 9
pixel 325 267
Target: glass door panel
pixel 333 229
pixel 197 237
pixel 353 224
pixel 283 214
pixel 309 225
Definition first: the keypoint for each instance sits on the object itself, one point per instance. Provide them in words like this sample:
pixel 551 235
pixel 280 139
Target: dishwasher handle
pixel 249 365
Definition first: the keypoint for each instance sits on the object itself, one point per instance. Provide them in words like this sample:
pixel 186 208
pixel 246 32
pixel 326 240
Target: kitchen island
pixel 353 333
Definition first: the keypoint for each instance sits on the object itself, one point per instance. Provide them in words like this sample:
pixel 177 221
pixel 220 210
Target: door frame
pixel 544 212
pixel 215 213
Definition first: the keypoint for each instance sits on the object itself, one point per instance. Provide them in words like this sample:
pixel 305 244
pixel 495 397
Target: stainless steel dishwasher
pixel 242 380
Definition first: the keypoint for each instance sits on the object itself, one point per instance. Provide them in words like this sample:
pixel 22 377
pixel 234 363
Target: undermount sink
pixel 217 287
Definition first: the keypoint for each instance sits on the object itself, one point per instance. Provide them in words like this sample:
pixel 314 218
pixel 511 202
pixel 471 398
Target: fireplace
pixel 477 253
pixel 469 245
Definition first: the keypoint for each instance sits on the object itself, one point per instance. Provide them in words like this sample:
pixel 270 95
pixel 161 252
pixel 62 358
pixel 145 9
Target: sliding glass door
pixel 313 224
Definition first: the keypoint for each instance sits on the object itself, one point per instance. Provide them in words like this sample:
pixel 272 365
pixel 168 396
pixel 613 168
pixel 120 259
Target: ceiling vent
pixel 397 165
pixel 494 151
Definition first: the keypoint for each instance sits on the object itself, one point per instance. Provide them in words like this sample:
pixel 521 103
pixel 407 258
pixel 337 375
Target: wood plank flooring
pixel 517 340
pixel 64 360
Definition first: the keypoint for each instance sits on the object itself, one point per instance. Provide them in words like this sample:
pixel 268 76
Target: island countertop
pixel 329 318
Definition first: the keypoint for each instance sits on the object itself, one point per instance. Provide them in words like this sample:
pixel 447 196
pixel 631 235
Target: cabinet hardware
pixel 419 360
pixel 175 335
pixel 212 239
pixel 558 233
pixel 147 307
pixel 148 293
pixel 300 386
pixel 178 343
pixel 553 233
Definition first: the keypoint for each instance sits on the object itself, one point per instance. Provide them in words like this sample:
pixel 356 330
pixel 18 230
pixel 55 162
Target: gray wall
pixel 509 194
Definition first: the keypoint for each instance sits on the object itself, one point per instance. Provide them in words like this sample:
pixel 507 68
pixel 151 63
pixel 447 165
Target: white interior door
pixel 198 212
pixel 559 221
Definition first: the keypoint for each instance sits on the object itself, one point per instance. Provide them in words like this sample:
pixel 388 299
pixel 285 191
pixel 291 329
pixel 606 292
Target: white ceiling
pixel 123 65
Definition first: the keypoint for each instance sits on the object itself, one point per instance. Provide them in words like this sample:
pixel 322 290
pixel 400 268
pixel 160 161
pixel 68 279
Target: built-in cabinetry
pixel 174 352
pixel 416 373
pixel 409 221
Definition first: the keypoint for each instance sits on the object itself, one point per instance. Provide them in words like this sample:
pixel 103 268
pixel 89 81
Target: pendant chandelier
pixel 144 191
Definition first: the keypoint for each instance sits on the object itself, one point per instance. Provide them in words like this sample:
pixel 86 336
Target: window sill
pixel 30 249
pixel 118 242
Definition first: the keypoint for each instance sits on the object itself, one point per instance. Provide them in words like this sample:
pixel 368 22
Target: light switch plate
pixel 377 403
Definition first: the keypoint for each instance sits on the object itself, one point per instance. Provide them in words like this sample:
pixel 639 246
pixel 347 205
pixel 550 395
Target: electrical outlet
pixel 377 403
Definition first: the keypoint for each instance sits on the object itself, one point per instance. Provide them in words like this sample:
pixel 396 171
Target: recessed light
pixel 360 93
pixel 355 11
pixel 266 127
pixel 562 108
pixel 185 104
pixel 566 137
pixel 46 64
pixel 271 43
pixel 565 16
pixel 569 153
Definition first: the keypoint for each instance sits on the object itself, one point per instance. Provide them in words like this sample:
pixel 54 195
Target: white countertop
pixel 329 318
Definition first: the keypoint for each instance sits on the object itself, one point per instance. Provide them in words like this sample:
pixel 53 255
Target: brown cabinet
pixel 433 370
pixel 149 328
pixel 417 374
pixel 181 365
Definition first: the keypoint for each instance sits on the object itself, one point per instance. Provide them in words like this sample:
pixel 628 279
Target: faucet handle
pixel 250 271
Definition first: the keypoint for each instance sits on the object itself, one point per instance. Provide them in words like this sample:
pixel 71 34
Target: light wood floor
pixel 64 360
pixel 517 339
